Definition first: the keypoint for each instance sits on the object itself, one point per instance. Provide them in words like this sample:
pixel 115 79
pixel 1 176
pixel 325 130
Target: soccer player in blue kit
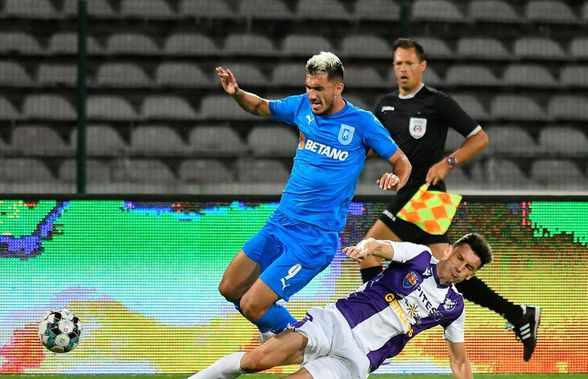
pixel 352 337
pixel 302 236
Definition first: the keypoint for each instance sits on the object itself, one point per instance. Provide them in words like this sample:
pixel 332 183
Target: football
pixel 60 330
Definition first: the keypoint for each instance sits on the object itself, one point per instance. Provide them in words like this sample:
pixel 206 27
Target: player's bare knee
pixel 228 291
pixel 252 362
pixel 252 308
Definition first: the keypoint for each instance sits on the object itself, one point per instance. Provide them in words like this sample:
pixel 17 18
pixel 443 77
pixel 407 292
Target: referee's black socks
pixel 369 273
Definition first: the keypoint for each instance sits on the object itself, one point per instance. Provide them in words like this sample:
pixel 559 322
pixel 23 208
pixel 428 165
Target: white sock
pixel 227 367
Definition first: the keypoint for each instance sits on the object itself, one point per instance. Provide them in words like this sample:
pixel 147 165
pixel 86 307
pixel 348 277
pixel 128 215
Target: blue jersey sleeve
pixel 378 139
pixel 285 110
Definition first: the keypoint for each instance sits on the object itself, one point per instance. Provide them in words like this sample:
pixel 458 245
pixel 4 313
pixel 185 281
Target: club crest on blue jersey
pixel 410 280
pixel 346 134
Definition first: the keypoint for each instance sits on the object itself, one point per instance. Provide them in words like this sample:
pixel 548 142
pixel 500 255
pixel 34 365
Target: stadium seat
pixel 549 11
pixel 96 171
pixel 493 11
pixel 164 107
pixel 248 44
pixel 131 44
pixel 7 110
pixel 568 108
pixel 516 107
pixel 365 46
pixel 528 75
pixel 123 75
pixel 205 9
pixel 13 74
pixel 472 106
pixel 33 140
pixel 261 171
pixel 223 107
pixel 435 47
pixel 376 10
pixel 48 107
pixel 435 10
pixel 430 77
pixel 204 171
pixel 95 8
pixel 107 107
pixel 364 77
pixel 574 76
pixel 538 48
pixel 272 9
pixel 323 10
pixel 178 75
pixel 215 141
pixel 453 141
pixel 272 141
pixel 156 141
pixel 357 101
pixel 558 174
pixel 30 9
pixel 470 75
pixel 188 44
pixel 288 74
pixel 24 170
pixel 501 141
pixel 504 173
pixel 563 141
pixel 579 47
pixel 57 75
pixel 141 171
pixel 481 47
pixel 305 45
pixel 458 179
pixel 373 170
pixel 67 43
pixel 19 43
pixel 585 11
pixel 147 9
pixel 248 75
pixel 101 141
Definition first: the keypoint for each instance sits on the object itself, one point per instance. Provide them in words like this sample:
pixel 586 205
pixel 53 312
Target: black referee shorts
pixel 409 232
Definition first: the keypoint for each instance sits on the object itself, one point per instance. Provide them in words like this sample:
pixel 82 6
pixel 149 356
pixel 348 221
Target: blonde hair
pixel 325 61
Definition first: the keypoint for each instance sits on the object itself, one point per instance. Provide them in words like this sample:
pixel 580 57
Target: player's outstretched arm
pixel 402 169
pixel 370 246
pixel 250 102
pixel 458 360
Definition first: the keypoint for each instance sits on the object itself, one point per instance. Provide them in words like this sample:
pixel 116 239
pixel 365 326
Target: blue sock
pixel 276 319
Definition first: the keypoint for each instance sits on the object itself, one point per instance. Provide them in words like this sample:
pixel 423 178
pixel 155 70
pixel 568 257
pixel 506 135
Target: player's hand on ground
pixel 437 172
pixel 227 80
pixel 361 250
pixel 389 182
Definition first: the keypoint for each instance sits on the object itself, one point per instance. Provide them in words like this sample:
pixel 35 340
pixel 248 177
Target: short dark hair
pixel 479 246
pixel 325 62
pixel 408 43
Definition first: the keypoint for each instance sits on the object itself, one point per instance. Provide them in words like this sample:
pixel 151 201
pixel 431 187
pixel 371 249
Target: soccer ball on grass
pixel 60 331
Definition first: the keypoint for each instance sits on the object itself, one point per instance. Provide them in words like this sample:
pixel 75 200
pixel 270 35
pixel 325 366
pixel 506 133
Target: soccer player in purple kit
pixel 352 337
pixel 301 238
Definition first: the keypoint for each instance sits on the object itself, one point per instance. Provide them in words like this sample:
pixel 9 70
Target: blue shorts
pixel 290 253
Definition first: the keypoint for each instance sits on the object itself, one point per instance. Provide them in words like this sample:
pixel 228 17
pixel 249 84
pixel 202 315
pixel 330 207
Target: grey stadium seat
pixel 550 11
pixel 272 141
pixel 188 44
pixel 505 174
pixel 357 101
pixel 377 10
pixel 30 9
pixel 157 140
pixel 481 47
pixel 13 74
pixel 510 140
pixel 131 44
pixel 141 171
pixel 249 44
pixel 585 11
pixel 247 74
pixel 528 75
pixel 7 110
pixel 493 11
pixel 24 170
pixel 435 48
pixel 515 107
pixel 568 108
pixel 67 43
pixel 288 74
pixel 261 171
pixel 365 46
pixel 161 107
pixel 373 170
pixel 272 9
pixel 171 74
pixel 57 75
pixel 324 10
pixel 453 141
pixel 96 171
pixel 430 77
pixel 223 107
pixel 38 141
pixel 102 140
pixel 457 179
pixel 205 9
pixel 48 107
pixel 95 8
pixel 148 9
pixel 574 76
pixel 472 106
pixel 305 45
pixel 579 47
pixel 563 141
pixel 558 174
pixel 215 141
pixel 364 77
pixel 470 75
pixel 204 171
pixel 538 48
pixel 20 43
pixel 106 107
pixel 121 75
pixel 435 10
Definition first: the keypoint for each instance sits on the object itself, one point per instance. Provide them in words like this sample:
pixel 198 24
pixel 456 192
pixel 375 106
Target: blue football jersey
pixel 330 156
